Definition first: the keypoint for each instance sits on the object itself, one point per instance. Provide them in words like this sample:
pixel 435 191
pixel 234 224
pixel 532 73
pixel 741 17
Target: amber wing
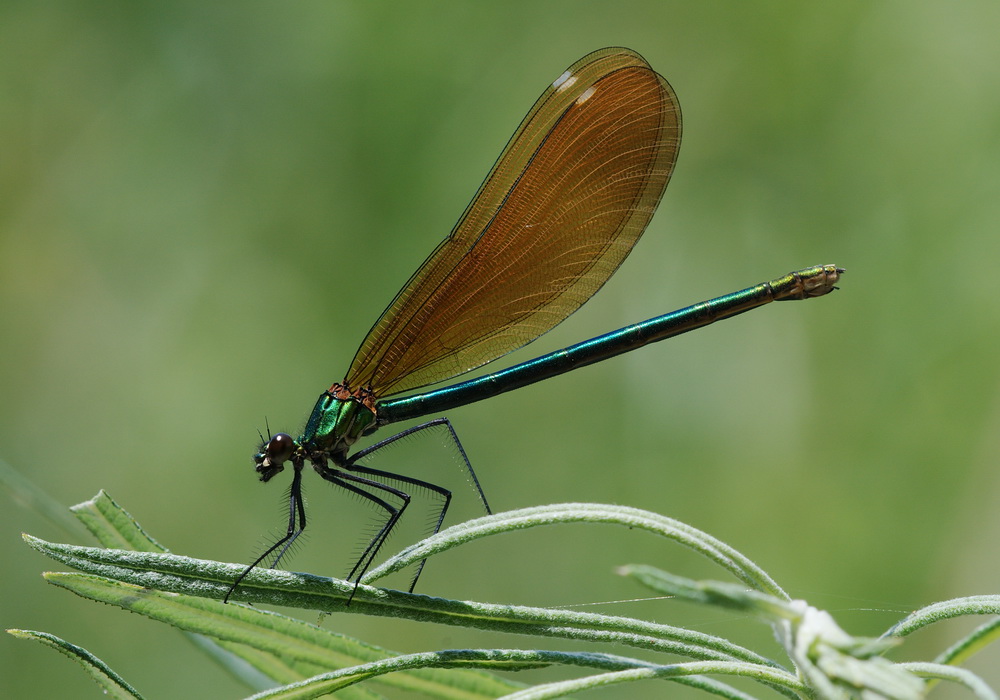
pixel 562 207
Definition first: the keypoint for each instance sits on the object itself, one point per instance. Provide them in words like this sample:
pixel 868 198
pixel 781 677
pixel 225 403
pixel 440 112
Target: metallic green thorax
pixel 335 424
pixel 339 418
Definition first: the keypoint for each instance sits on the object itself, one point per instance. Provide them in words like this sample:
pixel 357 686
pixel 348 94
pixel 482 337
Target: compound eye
pixel 279 448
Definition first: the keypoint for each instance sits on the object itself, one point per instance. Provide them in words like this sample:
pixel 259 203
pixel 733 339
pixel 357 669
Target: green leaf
pixel 168 572
pixel 109 681
pixel 281 647
pixel 264 647
pixel 631 518
pixel 687 673
pixel 956 675
pixel 621 669
pixel 725 595
pixel 113 526
pixel 972 643
pixel 834 663
pixel 947 609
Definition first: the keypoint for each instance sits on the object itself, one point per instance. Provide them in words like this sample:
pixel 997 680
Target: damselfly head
pixel 273 455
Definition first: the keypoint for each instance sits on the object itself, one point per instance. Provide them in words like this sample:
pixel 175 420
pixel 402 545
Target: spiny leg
pixel 440 490
pixel 443 492
pixel 295 507
pixel 453 437
pixel 356 484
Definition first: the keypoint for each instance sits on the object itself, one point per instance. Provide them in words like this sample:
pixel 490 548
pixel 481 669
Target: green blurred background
pixel 204 206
